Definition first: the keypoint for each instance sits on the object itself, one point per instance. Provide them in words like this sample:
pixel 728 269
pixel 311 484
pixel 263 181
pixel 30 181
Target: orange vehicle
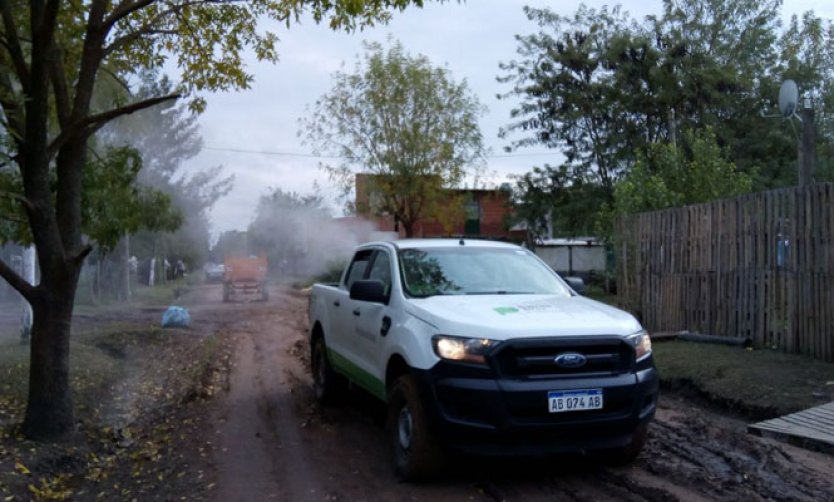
pixel 245 278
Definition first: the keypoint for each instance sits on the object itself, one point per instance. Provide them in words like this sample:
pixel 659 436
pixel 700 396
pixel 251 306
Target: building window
pixel 472 210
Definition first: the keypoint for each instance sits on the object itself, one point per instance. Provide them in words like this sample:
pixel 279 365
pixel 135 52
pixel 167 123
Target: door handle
pixel 336 303
pixel 386 325
pixel 356 312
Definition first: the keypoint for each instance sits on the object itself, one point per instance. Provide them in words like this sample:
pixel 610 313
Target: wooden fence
pixel 758 266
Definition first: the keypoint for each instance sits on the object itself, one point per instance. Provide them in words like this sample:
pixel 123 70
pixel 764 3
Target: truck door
pixel 372 320
pixel 342 319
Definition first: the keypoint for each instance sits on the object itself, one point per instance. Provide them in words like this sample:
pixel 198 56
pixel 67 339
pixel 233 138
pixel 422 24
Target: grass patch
pixel 137 391
pixel 96 363
pixel 757 384
pixel 161 294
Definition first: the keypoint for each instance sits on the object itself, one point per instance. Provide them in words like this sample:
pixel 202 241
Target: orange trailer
pixel 245 277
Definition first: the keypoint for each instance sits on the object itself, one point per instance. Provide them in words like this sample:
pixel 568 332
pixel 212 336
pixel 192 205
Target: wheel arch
pixel 316 332
pixel 397 365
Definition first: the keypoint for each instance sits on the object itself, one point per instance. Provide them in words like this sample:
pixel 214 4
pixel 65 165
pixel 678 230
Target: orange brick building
pixel 485 213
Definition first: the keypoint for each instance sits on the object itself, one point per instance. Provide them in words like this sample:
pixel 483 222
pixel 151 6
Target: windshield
pixel 476 271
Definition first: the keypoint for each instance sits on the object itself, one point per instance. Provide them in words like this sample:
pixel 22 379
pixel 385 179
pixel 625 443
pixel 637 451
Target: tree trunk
pixel 408 226
pixel 49 412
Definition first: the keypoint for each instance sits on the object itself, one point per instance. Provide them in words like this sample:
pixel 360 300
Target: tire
pixel 328 386
pixel 417 454
pixel 617 457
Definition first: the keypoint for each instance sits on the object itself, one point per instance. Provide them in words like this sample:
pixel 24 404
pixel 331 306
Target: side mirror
pixel 368 291
pixel 576 283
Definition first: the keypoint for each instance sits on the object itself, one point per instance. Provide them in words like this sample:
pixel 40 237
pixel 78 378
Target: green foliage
pixel 554 199
pixel 604 89
pixel 166 136
pixel 113 204
pixel 62 66
pixel 566 78
pixel 204 39
pixel 807 56
pixel 669 176
pixel 401 119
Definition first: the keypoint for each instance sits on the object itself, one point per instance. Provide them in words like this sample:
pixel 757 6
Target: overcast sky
pixel 470 39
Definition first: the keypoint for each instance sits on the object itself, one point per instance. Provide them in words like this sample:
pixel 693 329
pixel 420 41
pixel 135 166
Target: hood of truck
pixel 500 317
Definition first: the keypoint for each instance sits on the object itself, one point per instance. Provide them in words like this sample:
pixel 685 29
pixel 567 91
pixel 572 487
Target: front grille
pixel 536 358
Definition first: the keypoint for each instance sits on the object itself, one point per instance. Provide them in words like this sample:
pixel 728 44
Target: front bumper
pixel 473 410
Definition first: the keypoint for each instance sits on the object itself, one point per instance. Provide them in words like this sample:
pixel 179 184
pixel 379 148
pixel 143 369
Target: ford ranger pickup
pixel 480 347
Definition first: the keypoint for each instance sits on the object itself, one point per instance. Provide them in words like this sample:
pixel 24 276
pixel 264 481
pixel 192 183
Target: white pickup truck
pixel 478 346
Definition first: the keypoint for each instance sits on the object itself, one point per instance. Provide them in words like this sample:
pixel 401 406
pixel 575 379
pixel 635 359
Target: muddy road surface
pixel 275 443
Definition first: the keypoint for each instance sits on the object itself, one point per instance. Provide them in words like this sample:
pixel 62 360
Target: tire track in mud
pixel 263 457
pixel 714 456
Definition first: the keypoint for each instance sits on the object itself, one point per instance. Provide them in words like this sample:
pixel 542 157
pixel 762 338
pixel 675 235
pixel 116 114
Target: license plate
pixel 574 400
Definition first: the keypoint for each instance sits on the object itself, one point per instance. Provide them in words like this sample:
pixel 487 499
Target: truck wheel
pixel 627 454
pixel 328 385
pixel 417 455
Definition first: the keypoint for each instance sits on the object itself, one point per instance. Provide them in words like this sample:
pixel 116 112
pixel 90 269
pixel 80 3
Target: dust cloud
pixel 301 238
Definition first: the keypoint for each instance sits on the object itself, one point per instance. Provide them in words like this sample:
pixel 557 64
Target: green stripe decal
pixel 356 374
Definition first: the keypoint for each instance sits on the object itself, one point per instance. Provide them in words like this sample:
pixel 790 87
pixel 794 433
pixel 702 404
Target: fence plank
pixel 759 266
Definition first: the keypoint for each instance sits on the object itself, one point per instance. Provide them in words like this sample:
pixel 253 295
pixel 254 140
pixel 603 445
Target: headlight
pixel 456 348
pixel 642 344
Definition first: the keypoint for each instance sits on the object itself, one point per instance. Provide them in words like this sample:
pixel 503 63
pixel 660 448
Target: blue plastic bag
pixel 176 317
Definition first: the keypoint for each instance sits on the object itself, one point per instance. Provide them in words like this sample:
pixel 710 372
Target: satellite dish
pixel 788 98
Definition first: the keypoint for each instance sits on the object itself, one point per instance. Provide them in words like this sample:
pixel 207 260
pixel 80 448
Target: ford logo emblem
pixel 570 360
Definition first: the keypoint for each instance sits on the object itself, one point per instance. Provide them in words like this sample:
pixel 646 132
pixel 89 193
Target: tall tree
pixel 604 89
pixel 53 55
pixel 166 136
pixel 405 122
pixel 584 90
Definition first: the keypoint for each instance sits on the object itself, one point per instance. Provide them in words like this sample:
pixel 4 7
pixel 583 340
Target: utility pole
pixel 807 145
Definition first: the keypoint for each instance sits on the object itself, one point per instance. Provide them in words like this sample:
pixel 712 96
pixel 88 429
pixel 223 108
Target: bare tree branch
pixel 124 9
pixel 91 58
pixel 20 198
pixel 95 122
pixel 60 88
pixel 85 251
pixel 116 79
pixel 13 43
pixel 17 282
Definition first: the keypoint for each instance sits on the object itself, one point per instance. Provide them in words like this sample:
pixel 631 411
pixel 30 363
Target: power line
pixel 510 155
pixel 267 152
pixel 314 156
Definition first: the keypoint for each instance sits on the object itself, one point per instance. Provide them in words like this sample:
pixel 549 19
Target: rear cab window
pixel 358 267
pixel 381 270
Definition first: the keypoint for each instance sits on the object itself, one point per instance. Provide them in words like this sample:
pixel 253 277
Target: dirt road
pixel 276 444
